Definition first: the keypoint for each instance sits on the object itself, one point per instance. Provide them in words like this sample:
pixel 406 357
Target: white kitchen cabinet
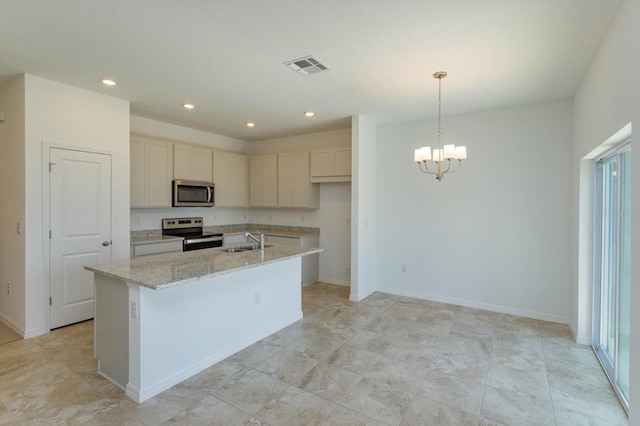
pixel 263 171
pixel 230 175
pixel 310 263
pixel 331 165
pixel 140 250
pixel 192 162
pixel 294 186
pixel 151 172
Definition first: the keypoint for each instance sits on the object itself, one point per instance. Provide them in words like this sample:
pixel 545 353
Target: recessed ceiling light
pixel 108 82
pixel 188 106
pixel 309 114
pixel 250 124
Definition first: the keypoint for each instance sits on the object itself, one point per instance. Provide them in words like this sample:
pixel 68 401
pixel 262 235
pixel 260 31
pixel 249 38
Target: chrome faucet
pixel 259 241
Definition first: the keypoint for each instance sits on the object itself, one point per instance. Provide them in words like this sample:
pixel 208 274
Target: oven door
pixel 189 193
pixel 201 243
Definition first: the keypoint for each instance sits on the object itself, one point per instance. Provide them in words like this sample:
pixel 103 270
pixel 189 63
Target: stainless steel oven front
pixel 191 193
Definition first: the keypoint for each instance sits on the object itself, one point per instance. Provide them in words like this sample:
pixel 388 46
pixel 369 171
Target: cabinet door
pixel 256 170
pixel 342 162
pixel 271 180
pixel 160 173
pixel 201 164
pixel 192 162
pixel 221 178
pixel 300 179
pixel 238 182
pixel 264 180
pixel 285 180
pixel 182 162
pixel 139 166
pixel 321 163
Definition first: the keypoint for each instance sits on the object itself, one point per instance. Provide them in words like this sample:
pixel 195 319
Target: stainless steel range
pixel 192 230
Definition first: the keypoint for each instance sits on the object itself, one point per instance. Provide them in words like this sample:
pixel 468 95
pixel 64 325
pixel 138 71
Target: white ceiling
pixel 226 57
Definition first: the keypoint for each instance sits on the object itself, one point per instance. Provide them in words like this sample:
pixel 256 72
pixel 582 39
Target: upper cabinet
pixel 230 175
pixel 294 186
pixel 263 171
pixel 192 162
pixel 151 172
pixel 331 165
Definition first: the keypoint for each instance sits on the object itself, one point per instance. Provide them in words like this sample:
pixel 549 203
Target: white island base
pixel 147 340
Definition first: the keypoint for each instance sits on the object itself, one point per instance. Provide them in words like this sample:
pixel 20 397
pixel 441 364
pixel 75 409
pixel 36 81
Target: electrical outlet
pixel 137 220
pixel 302 218
pixel 404 268
pixel 256 299
pixel 134 310
pixel 269 217
pixel 215 217
pixel 8 288
pixel 348 221
pixel 19 228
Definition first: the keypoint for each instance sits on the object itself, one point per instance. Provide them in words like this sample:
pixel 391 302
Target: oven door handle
pixel 202 240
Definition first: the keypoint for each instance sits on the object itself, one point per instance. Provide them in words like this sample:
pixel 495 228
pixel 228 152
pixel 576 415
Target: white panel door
pixel 80 200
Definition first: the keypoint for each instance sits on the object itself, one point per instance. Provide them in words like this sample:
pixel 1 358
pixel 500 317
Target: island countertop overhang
pixel 172 269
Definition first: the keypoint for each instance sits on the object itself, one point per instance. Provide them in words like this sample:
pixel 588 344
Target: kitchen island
pixel 161 319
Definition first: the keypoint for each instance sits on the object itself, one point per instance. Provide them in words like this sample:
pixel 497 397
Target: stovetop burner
pixel 192 230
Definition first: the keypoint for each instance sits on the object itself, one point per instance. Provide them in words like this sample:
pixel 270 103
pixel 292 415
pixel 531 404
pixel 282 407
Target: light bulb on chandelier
pixel 442 156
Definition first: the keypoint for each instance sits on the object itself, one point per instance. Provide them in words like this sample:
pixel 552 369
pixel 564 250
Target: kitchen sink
pixel 244 248
pixel 234 250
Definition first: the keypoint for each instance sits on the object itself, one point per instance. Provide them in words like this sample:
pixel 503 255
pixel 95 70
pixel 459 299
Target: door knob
pixel 106 243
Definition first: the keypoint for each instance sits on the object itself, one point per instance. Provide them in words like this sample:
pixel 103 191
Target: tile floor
pixel 7 335
pixel 388 360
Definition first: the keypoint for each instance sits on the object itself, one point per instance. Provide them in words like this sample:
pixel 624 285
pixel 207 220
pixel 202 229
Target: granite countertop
pixel 152 238
pixel 171 269
pixel 274 230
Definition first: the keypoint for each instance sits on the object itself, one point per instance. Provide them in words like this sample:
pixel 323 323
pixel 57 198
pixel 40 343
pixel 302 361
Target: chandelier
pixel 441 157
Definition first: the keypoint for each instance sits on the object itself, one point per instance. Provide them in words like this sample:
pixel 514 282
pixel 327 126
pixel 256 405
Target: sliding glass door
pixel 612 275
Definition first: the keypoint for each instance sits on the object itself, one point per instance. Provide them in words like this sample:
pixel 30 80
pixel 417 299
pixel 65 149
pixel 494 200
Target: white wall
pixel 367 244
pixel 494 235
pixel 607 100
pixel 149 127
pixel 334 215
pixel 300 143
pixel 12 205
pixel 63 115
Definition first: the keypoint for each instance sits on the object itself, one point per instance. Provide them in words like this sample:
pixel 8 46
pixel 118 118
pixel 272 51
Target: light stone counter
pixel 172 269
pixel 273 230
pixel 153 238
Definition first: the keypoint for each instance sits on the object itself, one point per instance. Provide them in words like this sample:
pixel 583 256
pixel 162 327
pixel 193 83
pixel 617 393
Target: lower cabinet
pixel 311 263
pixel 155 248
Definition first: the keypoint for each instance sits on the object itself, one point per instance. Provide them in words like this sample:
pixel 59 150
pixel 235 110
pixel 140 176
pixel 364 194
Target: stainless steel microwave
pixel 191 193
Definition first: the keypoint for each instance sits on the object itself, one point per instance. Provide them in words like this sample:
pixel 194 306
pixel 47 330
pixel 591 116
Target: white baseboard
pixel 35 332
pixel 358 297
pixel 478 305
pixel 140 396
pixel 335 281
pixel 580 339
pixel 13 326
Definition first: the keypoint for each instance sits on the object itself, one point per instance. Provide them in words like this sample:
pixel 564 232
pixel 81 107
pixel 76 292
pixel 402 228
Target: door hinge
pixel 51 166
pixel 49 234
pixel 49 301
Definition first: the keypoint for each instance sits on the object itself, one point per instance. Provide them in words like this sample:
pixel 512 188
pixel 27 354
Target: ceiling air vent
pixel 307 65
